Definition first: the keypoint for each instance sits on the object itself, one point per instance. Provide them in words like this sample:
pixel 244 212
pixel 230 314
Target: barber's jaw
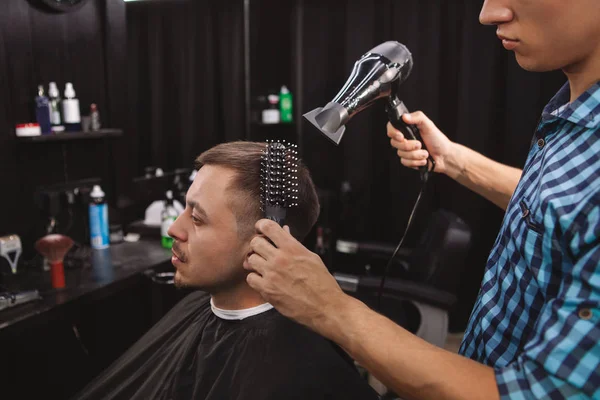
pixel 207 251
pixel 547 34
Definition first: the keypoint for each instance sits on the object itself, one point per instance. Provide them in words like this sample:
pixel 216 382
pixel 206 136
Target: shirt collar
pixel 584 111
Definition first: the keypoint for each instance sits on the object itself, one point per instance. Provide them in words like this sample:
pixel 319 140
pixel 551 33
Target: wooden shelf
pixel 65 136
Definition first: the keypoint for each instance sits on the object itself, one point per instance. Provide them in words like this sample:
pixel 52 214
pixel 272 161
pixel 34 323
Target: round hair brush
pixel 279 180
pixel 53 248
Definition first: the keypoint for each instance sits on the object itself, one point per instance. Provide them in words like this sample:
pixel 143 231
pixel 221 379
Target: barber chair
pixel 422 289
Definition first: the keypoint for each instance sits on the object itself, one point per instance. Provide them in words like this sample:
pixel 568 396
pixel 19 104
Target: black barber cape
pixel 193 354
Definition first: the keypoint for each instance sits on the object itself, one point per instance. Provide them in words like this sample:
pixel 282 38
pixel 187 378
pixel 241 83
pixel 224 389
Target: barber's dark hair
pixel 245 159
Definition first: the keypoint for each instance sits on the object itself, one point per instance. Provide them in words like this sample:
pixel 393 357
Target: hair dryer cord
pixel 408 225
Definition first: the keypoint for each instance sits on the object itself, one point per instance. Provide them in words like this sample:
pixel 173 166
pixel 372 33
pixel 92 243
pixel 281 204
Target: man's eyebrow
pixel 197 207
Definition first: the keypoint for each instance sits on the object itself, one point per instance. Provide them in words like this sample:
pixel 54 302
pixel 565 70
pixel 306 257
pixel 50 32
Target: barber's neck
pixel 239 297
pixel 583 74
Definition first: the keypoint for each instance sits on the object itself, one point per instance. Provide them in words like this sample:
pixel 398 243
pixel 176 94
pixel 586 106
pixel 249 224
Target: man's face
pixel 546 34
pixel 207 252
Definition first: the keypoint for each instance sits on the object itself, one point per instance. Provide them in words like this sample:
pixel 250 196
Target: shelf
pixel 65 136
pixel 278 124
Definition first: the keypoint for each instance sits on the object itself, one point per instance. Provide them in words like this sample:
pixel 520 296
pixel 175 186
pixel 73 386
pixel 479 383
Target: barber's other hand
pixel 410 152
pixel 290 277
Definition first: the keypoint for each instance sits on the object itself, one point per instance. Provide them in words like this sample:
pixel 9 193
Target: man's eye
pixel 196 220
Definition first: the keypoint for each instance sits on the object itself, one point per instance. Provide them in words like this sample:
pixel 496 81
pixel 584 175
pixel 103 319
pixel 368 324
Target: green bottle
pixel 285 105
pixel 169 215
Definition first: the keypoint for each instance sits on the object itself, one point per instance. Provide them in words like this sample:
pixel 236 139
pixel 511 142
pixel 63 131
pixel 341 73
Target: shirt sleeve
pixel 561 360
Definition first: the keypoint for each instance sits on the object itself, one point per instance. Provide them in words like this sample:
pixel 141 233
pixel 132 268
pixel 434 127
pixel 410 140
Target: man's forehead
pixel 210 187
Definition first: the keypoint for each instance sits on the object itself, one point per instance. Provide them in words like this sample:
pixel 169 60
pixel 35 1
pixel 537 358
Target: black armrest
pixel 407 290
pixel 371 248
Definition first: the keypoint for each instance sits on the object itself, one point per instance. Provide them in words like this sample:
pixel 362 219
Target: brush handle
pixel 57 273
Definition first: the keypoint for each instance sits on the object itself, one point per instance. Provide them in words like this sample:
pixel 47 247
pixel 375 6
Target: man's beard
pixel 178 282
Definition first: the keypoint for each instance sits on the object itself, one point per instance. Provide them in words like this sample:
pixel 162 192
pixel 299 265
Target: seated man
pixel 228 343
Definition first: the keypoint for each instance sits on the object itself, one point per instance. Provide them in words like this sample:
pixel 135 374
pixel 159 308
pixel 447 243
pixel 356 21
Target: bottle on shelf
pixel 71 113
pixel 95 124
pixel 271 115
pixel 285 105
pixel 169 215
pixel 42 111
pixel 55 104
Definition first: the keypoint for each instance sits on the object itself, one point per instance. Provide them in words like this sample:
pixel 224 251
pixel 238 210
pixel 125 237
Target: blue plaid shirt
pixel 537 317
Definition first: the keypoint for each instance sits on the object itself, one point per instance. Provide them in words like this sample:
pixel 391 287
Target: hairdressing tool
pixel 9 299
pixel 278 180
pixel 53 248
pixel 377 74
pixel 11 246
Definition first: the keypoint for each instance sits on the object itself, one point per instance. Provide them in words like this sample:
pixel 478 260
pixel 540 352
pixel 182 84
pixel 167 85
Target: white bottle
pixel 71 114
pixel 272 114
pixel 54 96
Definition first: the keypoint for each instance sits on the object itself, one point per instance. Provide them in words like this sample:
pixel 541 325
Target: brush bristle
pixel 279 176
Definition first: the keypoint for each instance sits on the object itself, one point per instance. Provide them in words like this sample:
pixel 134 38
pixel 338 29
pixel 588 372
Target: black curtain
pixel 462 79
pixel 186 80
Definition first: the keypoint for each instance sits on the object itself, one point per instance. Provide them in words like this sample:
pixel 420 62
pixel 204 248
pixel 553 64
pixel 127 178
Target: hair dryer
pixel 377 74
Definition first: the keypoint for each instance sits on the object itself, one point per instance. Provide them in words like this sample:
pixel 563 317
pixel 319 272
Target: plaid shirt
pixel 537 317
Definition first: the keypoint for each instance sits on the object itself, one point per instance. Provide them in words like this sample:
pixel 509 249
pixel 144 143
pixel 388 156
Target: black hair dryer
pixel 378 74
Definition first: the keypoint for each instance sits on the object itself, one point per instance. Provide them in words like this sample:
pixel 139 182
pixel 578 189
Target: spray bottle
pixel 98 212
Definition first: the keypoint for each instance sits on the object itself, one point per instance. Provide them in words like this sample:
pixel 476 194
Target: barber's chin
pixel 532 65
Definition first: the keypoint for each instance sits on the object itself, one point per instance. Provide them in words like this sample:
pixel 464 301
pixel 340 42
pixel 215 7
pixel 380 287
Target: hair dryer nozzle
pixel 330 120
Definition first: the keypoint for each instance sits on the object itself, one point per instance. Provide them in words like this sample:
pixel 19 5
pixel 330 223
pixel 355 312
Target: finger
pixel 256 263
pixel 394 133
pixel 287 229
pixel 419 119
pixel 406 145
pixel 413 155
pixel 274 232
pixel 413 163
pixel 255 281
pixel 391 131
pixel 262 247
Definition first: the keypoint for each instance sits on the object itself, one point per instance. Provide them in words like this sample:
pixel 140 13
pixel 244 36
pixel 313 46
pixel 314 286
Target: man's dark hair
pixel 245 159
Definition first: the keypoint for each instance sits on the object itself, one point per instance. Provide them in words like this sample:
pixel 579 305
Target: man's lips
pixel 176 257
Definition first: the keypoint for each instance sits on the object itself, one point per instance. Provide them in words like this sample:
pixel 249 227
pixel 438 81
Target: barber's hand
pixel 410 152
pixel 290 277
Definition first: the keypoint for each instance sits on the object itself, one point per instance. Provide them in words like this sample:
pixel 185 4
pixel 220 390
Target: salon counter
pixel 107 272
pixel 50 348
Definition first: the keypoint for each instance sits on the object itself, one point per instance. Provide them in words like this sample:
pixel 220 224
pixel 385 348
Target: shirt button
pixel 541 143
pixel 585 314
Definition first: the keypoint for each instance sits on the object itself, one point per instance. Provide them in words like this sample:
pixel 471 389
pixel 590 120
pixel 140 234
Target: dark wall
pixel 85 47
